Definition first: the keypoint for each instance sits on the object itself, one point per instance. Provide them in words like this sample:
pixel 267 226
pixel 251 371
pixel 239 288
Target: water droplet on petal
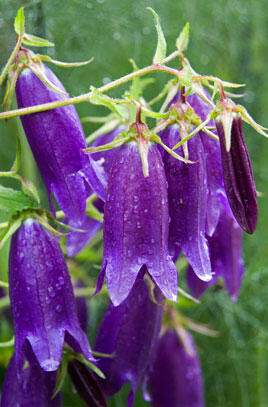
pixel 59 308
pixel 51 292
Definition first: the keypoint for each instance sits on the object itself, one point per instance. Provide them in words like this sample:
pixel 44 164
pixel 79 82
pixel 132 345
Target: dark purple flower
pixel 41 295
pixel 238 177
pixel 129 332
pixel 226 257
pixel 30 387
pixel 86 384
pixel 188 196
pixel 135 228
pixel 56 138
pixel 176 377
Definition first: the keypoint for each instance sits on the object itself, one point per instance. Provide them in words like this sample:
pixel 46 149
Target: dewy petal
pixel 226 257
pixel 31 387
pixel 187 194
pixel 176 377
pixel 56 138
pixel 130 333
pixel 135 228
pixel 238 177
pixel 213 164
pixel 41 295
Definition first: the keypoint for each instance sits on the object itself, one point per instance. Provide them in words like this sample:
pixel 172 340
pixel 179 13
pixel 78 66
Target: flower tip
pixel 50 365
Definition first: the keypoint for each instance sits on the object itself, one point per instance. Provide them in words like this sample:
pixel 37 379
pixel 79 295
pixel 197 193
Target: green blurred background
pixel 228 38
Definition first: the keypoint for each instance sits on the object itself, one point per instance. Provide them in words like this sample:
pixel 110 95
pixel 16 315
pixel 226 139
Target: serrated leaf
pixel 19 22
pixel 183 38
pixel 161 48
pixel 33 41
pixel 12 201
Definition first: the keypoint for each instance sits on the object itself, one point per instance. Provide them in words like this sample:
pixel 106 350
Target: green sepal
pixel 34 41
pixel 47 58
pixel 161 48
pixel 36 68
pixel 115 106
pixel 93 212
pixel 19 24
pixel 61 374
pixel 117 142
pixel 158 140
pixel 183 38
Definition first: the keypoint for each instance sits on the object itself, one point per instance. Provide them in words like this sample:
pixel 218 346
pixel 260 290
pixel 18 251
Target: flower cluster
pixel 161 194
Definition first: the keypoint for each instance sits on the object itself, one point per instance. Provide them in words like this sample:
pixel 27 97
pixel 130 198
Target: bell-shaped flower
pixel 135 228
pixel 238 176
pixel 188 196
pixel 56 138
pixel 30 387
pixel 41 295
pixel 176 377
pixel 129 334
pixel 76 241
pixel 225 248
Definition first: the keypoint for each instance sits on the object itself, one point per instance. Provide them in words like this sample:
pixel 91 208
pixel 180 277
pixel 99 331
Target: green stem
pixel 11 59
pixel 86 97
pixel 4 302
pixel 7 344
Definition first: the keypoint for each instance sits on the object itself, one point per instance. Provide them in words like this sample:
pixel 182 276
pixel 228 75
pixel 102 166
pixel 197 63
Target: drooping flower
pixel 176 377
pixel 56 138
pixel 76 241
pixel 30 387
pixel 42 299
pixel 135 228
pixel 225 248
pixel 238 177
pixel 187 195
pixel 129 333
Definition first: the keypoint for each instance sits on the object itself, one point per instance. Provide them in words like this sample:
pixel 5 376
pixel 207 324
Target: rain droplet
pixel 59 308
pixel 28 288
pixel 51 292
pixel 61 280
pixel 47 300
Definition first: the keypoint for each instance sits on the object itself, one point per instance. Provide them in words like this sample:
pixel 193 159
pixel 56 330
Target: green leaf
pixel 39 72
pixel 186 76
pixel 19 22
pixel 61 374
pixel 161 48
pixel 33 41
pixel 64 64
pixel 12 201
pixel 183 39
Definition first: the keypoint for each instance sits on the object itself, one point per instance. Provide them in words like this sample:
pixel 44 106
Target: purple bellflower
pixel 31 387
pixel 135 228
pixel 42 299
pixel 238 177
pixel 56 138
pixel 187 194
pixel 76 241
pixel 176 377
pixel 226 256
pixel 129 332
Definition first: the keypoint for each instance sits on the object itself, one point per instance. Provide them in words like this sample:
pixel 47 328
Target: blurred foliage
pixel 228 38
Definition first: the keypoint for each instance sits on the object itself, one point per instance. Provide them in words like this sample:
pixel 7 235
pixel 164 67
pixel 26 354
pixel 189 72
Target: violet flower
pixel 135 228
pixel 187 195
pixel 176 377
pixel 56 138
pixel 76 241
pixel 30 387
pixel 226 257
pixel 238 177
pixel 42 299
pixel 128 332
